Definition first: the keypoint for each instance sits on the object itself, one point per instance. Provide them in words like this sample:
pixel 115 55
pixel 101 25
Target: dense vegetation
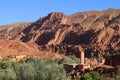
pixel 32 69
pixel 45 69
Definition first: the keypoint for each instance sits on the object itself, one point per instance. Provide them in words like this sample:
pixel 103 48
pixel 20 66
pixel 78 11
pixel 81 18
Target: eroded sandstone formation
pixel 94 31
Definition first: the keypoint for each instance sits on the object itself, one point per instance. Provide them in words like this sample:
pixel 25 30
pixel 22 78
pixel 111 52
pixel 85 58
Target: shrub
pixel 31 59
pixel 16 67
pixel 5 64
pixel 47 69
pixel 87 76
pixel 56 72
pixel 69 60
pixel 73 57
pixel 27 71
pixel 95 75
pixel 7 74
pixel 117 77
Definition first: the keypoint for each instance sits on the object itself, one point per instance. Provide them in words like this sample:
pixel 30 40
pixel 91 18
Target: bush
pixel 27 72
pixel 87 76
pixel 16 67
pixel 70 59
pixel 7 74
pixel 117 77
pixel 5 64
pixel 47 69
pixel 57 72
pixel 95 75
pixel 31 59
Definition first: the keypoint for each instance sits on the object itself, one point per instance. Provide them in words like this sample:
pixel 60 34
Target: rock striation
pixel 93 31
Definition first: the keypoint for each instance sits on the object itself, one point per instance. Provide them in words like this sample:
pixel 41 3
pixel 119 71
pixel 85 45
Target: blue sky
pixel 13 11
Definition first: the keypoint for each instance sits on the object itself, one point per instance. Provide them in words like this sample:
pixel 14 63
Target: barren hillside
pixel 8 31
pixel 17 48
pixel 94 31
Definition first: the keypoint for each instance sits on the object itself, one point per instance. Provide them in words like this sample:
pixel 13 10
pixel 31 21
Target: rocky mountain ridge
pixel 8 31
pixel 92 31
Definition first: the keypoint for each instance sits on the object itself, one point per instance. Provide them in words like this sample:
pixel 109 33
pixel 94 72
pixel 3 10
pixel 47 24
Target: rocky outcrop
pixel 95 19
pixel 9 31
pixel 94 31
